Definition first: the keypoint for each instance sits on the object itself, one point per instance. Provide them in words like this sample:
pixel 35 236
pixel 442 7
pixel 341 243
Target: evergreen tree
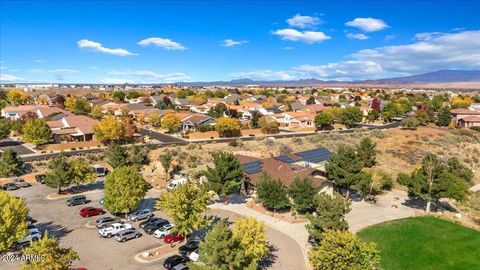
pixel 444 117
pixel 137 155
pixel 5 128
pixel 272 193
pixel 302 191
pixel 343 166
pixel 329 214
pixel 116 155
pixel 166 160
pixel 10 164
pixel 60 173
pixel 226 177
pixel 366 151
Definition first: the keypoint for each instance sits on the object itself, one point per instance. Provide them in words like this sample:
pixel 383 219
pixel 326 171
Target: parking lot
pixel 96 252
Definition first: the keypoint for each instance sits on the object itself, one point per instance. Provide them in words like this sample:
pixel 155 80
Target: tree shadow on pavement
pixel 268 261
pixel 54 230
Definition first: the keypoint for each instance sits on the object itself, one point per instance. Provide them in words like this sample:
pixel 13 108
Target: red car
pixel 171 238
pixel 91 211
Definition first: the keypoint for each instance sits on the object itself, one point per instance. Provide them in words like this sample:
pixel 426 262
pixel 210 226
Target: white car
pixel 163 231
pixel 113 229
pixel 193 256
pixel 33 235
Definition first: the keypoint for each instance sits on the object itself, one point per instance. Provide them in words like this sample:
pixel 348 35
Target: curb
pixel 139 257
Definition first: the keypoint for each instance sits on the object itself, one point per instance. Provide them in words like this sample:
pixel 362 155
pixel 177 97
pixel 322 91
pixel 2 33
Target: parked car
pixel 190 246
pixel 181 266
pixel 106 221
pixel 163 231
pixel 113 229
pixel 101 201
pixel 33 235
pixel 21 183
pixel 172 261
pixel 31 220
pixel 40 178
pixel 175 183
pixel 193 256
pixel 148 222
pixel 171 238
pixel 127 234
pixel 150 228
pixel 10 186
pixel 76 200
pixel 140 214
pixel 91 211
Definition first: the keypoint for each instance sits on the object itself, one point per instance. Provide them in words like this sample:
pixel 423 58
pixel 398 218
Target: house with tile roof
pixel 465 118
pixel 73 128
pixel 193 121
pixel 16 112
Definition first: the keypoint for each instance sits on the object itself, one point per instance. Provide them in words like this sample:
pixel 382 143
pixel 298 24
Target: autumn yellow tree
pixel 171 122
pixel 227 127
pixel 96 112
pixel 461 102
pixel 251 235
pixel 70 103
pixel 155 120
pixel 109 129
pixel 17 96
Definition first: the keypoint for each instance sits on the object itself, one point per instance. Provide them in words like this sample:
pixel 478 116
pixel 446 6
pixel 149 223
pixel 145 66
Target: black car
pixel 40 178
pixel 76 200
pixel 31 220
pixel 148 221
pixel 152 227
pixel 172 261
pixel 189 247
pixel 11 186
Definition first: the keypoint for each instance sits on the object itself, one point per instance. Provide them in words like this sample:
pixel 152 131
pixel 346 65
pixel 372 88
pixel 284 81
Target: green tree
pixel 351 116
pixel 36 131
pixel 341 250
pixel 53 257
pixel 82 171
pixel 5 128
pixel 185 205
pixel 133 94
pixel 124 189
pixel 252 237
pixel 166 160
pixel 13 220
pixel 226 176
pixel 60 172
pixel 329 214
pixel 227 127
pixel 272 193
pixel 137 155
pixel 410 123
pixel 82 106
pixel 116 155
pixel 10 164
pixel 444 117
pixel 268 126
pixel 118 96
pixel 171 123
pixel 302 191
pixel 366 150
pixel 324 120
pixel 222 251
pixel 218 110
pixel 455 167
pixel 343 167
pixel 363 183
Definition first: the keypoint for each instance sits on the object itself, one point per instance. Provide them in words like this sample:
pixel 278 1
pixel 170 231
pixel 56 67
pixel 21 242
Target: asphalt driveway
pixel 15 146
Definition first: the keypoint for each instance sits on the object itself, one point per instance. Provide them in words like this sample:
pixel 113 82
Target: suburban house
pixel 296 120
pixel 465 118
pixel 288 167
pixel 202 108
pixel 193 121
pixel 313 108
pixel 45 99
pixel 72 128
pixel 16 112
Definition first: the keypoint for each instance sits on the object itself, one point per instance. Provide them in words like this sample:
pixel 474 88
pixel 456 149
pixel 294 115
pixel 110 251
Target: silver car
pixel 140 214
pixel 21 183
pixel 127 234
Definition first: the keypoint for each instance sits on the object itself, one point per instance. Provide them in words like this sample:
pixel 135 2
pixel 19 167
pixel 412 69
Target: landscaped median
pixel 156 254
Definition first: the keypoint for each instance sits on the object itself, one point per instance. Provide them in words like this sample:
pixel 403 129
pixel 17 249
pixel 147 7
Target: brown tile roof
pixel 55 124
pixel 464 111
pixel 83 123
pixel 47 111
pixel 471 119
pixel 245 159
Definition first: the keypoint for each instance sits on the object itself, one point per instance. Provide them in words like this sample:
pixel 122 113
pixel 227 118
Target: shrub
pixel 233 144
pixel 403 179
pixel 386 181
pixel 475 128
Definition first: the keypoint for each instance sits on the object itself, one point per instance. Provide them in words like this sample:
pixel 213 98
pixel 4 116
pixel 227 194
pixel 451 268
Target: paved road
pixel 475 188
pixel 163 138
pixel 15 146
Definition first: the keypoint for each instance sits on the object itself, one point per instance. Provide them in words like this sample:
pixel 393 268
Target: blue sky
pixel 167 41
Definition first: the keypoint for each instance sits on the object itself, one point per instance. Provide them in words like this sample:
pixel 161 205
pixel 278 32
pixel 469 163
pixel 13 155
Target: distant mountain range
pixel 441 76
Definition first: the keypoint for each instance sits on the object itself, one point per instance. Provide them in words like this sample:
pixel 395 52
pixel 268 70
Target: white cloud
pixel 357 36
pixel 263 75
pixel 459 50
pixel 164 43
pixel 428 35
pixel 39 61
pixel 116 81
pixel 368 24
pixel 9 78
pixel 231 42
pixel 309 37
pixel 94 68
pixel 344 70
pixel 147 76
pixel 303 21
pixel 95 46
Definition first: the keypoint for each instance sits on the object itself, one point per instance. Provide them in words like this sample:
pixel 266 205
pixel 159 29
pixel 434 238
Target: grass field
pixel 426 243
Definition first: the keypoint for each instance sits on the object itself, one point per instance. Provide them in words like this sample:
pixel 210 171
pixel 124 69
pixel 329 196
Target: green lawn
pixel 425 243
